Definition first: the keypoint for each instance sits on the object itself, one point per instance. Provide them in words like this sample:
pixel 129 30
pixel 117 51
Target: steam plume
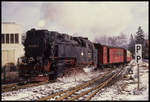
pixel 87 19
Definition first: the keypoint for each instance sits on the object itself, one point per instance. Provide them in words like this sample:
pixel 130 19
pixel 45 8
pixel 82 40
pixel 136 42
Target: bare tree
pixel 122 40
pixel 112 41
pixel 131 45
pixel 101 40
pixel 115 41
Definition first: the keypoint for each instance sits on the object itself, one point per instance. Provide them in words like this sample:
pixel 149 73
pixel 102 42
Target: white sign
pixel 138 53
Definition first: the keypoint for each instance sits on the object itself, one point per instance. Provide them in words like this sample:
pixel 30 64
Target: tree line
pixel 121 40
pixel 139 38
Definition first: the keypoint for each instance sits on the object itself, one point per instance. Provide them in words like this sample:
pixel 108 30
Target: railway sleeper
pixel 82 94
pixel 73 90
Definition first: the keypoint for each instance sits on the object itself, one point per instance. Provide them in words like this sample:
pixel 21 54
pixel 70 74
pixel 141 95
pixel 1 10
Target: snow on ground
pixel 129 92
pixel 33 93
pixel 79 77
pixel 114 92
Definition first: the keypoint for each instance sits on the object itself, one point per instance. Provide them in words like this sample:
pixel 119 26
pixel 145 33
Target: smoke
pixel 41 23
pixel 85 18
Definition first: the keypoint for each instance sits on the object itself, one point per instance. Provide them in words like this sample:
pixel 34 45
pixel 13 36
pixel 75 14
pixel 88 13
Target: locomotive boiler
pixel 48 53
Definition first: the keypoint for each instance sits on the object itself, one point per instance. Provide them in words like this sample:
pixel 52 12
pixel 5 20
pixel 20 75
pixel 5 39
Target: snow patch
pixel 114 92
pixel 130 92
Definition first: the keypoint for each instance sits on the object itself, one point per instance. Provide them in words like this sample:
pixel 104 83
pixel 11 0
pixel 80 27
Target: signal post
pixel 138 59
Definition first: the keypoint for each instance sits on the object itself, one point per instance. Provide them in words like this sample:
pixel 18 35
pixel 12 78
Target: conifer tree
pixel 139 37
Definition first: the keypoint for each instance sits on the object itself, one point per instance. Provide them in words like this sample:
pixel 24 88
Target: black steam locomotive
pixel 47 53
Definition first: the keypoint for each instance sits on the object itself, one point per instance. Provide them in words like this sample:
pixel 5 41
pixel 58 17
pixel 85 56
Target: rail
pixel 74 93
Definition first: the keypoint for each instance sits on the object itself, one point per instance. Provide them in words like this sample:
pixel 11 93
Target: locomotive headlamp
pixel 82 53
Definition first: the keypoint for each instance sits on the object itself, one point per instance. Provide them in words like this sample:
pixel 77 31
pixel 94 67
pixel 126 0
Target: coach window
pixel 11 38
pixel 16 38
pixel 2 39
pixel 7 38
pixel 105 52
pixel 113 53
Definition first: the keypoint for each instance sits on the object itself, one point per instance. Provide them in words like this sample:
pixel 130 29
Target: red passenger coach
pixel 102 54
pixel 109 56
pixel 116 55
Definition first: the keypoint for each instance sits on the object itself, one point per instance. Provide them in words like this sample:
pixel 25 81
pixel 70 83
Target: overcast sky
pixel 91 19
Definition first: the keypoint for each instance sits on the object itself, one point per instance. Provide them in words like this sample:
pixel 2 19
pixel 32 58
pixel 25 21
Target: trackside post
pixel 138 59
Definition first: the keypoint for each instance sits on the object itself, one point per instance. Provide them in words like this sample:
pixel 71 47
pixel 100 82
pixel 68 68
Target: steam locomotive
pixel 48 53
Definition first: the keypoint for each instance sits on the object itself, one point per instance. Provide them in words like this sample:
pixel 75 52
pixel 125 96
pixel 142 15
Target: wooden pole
pixel 138 76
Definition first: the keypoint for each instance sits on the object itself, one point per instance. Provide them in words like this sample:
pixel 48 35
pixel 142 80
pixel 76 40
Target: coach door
pixel 108 55
pixel 125 55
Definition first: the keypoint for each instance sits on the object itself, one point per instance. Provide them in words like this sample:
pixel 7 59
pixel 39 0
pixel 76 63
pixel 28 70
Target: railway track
pixel 85 91
pixel 16 86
